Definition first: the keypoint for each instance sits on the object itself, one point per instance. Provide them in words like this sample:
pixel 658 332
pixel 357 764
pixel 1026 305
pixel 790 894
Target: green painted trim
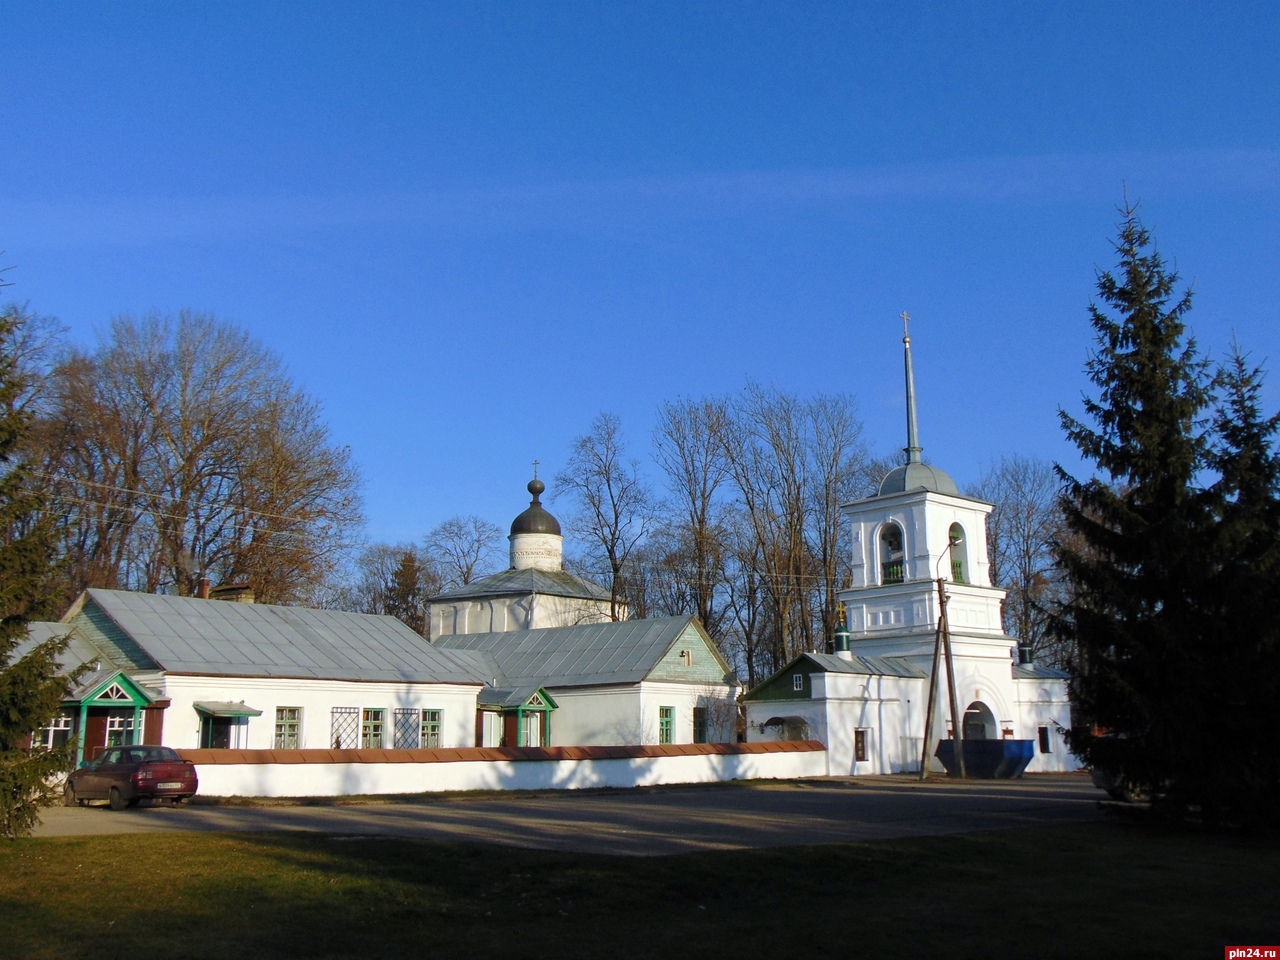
pixel 137 696
pixel 780 685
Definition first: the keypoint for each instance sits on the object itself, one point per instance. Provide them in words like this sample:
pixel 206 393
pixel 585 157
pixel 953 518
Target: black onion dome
pixel 535 519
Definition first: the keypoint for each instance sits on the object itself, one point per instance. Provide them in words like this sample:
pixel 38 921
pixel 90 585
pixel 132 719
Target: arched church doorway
pixel 980 722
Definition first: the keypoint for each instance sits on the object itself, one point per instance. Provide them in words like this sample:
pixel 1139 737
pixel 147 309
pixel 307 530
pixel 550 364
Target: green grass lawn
pixel 1102 890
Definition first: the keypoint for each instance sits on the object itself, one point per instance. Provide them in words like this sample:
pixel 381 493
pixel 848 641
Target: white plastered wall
pixel 628 714
pixel 500 614
pixel 316 698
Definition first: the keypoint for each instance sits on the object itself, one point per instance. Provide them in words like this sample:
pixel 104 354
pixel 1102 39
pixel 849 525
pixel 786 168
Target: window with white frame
pixel 344 728
pixel 797 681
pixel 57 733
pixel 119 728
pixel 432 729
pixel 288 728
pixel 405 728
pixel 372 720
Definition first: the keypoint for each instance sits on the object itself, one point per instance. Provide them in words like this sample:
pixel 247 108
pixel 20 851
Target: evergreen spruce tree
pixel 1242 772
pixel 1135 563
pixel 404 599
pixel 31 689
pixel 1171 571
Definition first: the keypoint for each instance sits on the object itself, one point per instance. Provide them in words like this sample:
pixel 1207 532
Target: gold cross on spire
pixel 905 320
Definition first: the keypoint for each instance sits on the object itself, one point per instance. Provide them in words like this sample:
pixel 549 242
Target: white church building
pixel 867 702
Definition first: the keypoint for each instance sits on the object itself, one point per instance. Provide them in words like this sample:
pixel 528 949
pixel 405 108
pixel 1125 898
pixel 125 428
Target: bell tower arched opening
pixel 892 556
pixel 959 554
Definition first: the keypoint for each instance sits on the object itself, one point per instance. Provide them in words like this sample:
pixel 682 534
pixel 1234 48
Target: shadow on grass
pixel 1070 891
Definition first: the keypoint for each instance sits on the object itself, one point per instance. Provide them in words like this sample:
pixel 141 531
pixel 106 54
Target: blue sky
pixel 467 228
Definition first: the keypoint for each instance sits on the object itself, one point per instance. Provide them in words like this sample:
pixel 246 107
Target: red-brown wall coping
pixel 513 754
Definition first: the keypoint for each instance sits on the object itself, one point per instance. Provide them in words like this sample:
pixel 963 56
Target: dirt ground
pixel 643 822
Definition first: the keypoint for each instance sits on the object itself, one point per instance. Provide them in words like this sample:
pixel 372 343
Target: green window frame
pixel 373 720
pixel 288 728
pixel 666 725
pixel 432 729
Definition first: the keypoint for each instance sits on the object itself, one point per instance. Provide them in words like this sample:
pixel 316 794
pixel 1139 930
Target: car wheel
pixel 69 796
pixel 178 801
pixel 116 799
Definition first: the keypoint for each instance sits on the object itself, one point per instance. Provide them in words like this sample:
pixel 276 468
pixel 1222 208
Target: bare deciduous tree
pixel 463 548
pixel 1024 523
pixel 612 502
pixel 392 580
pixel 179 448
pixel 689 447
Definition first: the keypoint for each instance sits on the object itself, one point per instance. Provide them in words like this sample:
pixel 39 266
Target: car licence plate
pixel 169 785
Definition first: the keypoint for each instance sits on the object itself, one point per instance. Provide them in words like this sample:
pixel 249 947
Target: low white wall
pixel 345 779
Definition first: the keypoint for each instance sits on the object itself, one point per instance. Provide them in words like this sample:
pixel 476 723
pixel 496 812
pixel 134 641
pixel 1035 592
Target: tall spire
pixel 913 447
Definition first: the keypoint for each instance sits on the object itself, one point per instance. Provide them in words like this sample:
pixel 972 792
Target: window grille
pixel 288 728
pixel 371 729
pixel 344 728
pixel 431 729
pixel 405 728
pixel 860 745
pixel 666 724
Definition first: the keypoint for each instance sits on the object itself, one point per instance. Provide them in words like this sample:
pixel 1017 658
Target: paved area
pixel 645 822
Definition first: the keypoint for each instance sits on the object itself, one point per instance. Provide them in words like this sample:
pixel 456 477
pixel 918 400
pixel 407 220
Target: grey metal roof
pixel 555 583
pixel 226 708
pixel 188 635
pixel 79 649
pixel 596 653
pixel 916 476
pixel 506 696
pixel 866 666
pixel 1037 671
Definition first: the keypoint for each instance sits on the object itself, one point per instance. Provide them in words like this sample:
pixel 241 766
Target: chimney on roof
pixel 235 592
pixel 202 588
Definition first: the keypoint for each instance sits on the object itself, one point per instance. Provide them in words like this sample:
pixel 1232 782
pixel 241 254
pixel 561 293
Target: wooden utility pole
pixel 957 719
pixel 941 644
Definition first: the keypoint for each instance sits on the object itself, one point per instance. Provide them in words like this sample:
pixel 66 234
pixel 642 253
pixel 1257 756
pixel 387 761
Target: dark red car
pixel 124 775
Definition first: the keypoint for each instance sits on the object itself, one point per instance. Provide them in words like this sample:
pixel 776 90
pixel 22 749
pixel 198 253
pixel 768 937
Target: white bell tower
pixel 919 527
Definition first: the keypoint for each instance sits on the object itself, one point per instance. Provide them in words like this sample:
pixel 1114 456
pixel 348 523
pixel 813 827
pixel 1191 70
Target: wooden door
pixel 95 734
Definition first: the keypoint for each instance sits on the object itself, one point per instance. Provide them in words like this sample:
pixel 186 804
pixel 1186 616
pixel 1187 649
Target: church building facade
pixel 868 702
